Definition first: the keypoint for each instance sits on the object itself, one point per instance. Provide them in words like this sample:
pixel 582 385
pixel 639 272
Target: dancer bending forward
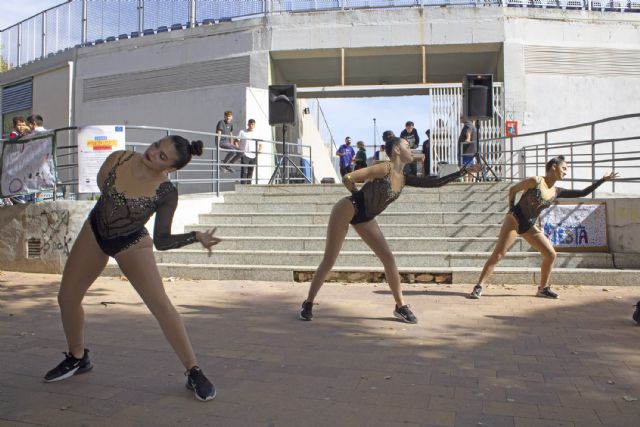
pixel 383 184
pixel 539 194
pixel 134 186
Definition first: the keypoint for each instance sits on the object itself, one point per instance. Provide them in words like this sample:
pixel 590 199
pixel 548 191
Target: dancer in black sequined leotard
pixel 133 187
pixel 384 183
pixel 539 193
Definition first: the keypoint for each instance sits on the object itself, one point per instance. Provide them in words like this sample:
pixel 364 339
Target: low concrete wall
pixel 56 224
pixel 623 231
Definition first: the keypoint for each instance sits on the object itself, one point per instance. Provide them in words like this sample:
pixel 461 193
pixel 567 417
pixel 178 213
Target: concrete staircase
pixel 437 235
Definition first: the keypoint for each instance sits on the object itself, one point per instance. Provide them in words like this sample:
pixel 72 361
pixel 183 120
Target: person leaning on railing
pixel 133 187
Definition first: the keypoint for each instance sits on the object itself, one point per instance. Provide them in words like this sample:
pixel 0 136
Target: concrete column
pixel 140 15
pixel 192 12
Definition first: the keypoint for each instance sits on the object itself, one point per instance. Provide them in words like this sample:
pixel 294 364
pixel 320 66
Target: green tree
pixel 4 66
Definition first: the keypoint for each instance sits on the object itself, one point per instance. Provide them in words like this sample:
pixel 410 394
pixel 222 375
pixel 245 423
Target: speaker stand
pixel 481 159
pixel 281 166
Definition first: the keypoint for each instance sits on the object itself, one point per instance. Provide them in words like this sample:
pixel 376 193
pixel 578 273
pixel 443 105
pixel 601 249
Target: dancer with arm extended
pixel 539 193
pixel 383 184
pixel 133 187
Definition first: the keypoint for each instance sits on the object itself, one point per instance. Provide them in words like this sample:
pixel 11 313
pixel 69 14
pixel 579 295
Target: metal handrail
pixel 28 37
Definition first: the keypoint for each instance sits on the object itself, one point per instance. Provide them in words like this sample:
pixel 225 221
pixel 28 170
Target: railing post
pixel 593 156
pixel 18 44
pixel 613 165
pixel 510 156
pixel 537 159
pixel 571 161
pixel 140 16
pixel 44 35
pixel 83 36
pixel 192 12
pixel 546 145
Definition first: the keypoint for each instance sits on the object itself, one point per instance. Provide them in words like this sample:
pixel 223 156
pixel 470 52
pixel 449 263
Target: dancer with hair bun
pixel 133 187
pixel 539 193
pixel 383 184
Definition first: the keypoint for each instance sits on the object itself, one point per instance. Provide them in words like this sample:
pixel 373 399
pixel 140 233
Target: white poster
pixel 576 226
pixel 27 167
pixel 95 143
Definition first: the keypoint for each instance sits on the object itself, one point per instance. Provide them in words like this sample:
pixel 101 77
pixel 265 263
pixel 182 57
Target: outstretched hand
pixel 207 239
pixel 611 176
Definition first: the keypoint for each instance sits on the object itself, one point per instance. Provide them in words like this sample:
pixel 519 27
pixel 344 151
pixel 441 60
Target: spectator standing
pixel 410 134
pixel 361 156
pixel 467 146
pixel 224 129
pixel 250 149
pixel 35 123
pixel 20 128
pixel 346 154
pixel 426 151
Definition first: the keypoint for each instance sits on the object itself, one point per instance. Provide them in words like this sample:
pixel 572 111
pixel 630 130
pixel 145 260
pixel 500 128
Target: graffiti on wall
pixel 579 226
pixel 54 230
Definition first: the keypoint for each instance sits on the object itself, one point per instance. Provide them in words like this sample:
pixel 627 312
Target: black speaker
pixel 477 96
pixel 282 104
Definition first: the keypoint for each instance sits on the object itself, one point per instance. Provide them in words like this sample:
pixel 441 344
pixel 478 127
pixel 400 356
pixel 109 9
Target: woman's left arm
pixel 571 194
pixel 162 237
pixel 430 182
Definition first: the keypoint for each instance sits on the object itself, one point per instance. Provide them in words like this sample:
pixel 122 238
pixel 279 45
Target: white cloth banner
pixel 95 144
pixel 27 167
pixel 580 225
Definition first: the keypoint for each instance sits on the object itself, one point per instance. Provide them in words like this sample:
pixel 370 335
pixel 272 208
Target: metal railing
pixel 590 149
pixel 78 23
pixel 204 174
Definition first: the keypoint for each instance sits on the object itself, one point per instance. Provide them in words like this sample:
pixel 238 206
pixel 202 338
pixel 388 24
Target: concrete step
pixel 404 259
pixel 406 196
pixel 320 207
pixel 300 218
pixel 464 275
pixel 332 188
pixel 411 244
pixel 320 230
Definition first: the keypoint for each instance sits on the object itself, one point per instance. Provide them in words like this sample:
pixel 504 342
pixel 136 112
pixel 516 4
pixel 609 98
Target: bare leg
pixel 341 215
pixel 373 237
pixel 86 262
pixel 139 265
pixel 506 239
pixel 539 242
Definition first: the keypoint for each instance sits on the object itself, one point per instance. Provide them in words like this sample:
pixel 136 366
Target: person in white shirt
pixel 250 148
pixel 35 123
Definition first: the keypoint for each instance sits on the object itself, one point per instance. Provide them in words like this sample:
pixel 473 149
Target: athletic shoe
pixel 546 293
pixel 404 313
pixel 476 293
pixel 636 314
pixel 306 311
pixel 226 169
pixel 199 384
pixel 69 367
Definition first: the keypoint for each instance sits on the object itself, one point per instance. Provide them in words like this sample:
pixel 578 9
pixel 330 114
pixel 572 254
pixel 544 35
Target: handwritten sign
pixel 577 227
pixel 27 167
pixel 95 143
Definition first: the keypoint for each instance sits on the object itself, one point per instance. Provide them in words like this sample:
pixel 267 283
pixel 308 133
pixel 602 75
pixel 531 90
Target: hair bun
pixel 196 148
pixel 561 158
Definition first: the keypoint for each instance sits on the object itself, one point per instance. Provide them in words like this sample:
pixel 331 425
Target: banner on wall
pixel 576 227
pixel 27 167
pixel 95 144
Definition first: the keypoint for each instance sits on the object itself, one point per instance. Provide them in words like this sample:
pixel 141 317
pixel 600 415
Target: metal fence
pixel 78 23
pixel 204 174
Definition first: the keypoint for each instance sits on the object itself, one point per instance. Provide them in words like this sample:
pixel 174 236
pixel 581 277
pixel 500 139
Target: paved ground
pixel 506 360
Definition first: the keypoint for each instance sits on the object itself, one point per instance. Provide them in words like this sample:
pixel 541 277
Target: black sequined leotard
pixel 533 202
pixel 377 194
pixel 118 222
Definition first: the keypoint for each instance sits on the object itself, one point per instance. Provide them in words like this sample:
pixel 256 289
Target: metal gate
pixel 446 109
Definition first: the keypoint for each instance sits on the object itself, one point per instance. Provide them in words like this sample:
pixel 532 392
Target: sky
pixel 391 113
pixel 14 11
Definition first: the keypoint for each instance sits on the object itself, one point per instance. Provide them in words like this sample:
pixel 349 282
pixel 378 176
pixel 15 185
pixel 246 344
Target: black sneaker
pixel 69 367
pixel 546 293
pixel 199 384
pixel 306 311
pixel 476 293
pixel 226 169
pixel 404 313
pixel 636 314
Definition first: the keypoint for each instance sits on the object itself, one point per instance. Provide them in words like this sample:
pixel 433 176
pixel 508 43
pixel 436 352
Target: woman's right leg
pixel 506 239
pixel 341 216
pixel 85 263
